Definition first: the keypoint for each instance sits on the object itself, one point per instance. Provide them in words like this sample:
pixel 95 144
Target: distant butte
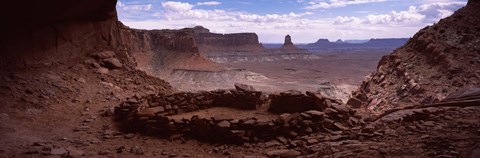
pixel 211 43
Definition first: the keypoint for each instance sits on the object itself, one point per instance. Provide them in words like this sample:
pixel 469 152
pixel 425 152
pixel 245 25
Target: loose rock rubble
pixel 104 62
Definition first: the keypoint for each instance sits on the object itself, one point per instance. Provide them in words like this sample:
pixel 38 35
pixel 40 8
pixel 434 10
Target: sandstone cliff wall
pixel 55 31
pixel 236 39
pixel 158 52
pixel 211 43
pixel 147 40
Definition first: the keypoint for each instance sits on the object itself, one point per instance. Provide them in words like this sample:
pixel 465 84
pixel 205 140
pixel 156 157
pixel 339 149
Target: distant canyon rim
pixel 332 68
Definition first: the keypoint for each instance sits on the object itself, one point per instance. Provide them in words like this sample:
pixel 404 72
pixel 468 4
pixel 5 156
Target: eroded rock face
pixel 437 61
pixel 236 39
pixel 159 52
pixel 146 40
pixel 56 31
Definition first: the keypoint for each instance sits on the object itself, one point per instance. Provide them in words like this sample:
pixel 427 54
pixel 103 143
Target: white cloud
pixel 171 6
pixel 436 11
pixel 326 4
pixel 209 3
pixel 270 17
pixel 403 17
pixel 426 14
pixel 126 7
pixel 346 19
pixel 180 10
pixel 415 15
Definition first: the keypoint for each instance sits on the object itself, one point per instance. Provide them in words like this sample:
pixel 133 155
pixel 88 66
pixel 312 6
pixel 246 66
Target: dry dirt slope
pixel 437 61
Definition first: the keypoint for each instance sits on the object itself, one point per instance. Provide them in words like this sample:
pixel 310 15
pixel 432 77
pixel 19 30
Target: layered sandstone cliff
pixel 55 32
pixel 213 43
pixel 437 61
pixel 159 52
pixel 245 53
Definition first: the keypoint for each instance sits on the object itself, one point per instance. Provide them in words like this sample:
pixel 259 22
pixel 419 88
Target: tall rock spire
pixel 288 45
pixel 288 41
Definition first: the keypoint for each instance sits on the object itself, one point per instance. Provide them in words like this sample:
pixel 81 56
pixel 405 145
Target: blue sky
pixel 305 20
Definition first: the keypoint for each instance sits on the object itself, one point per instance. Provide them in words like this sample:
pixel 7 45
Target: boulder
pixel 244 87
pixel 102 70
pixel 284 153
pixel 355 103
pixel 112 63
pixel 342 108
pixel 103 55
pixel 315 113
pixel 58 151
pixel 312 141
pixel 320 102
pixel 224 124
pixel 74 152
